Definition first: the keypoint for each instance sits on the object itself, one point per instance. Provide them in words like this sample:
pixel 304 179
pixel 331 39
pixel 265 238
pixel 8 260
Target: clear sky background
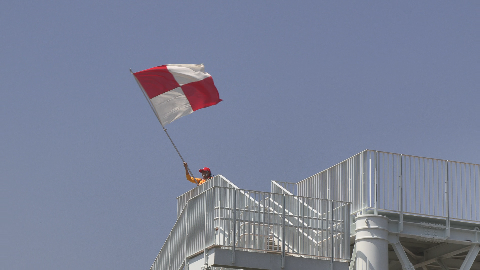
pixel 89 180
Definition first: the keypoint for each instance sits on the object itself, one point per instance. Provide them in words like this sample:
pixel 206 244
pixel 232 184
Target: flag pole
pixel 163 127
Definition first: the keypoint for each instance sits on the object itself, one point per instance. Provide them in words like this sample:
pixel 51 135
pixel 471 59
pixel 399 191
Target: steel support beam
pixel 442 265
pixel 453 263
pixel 429 259
pixel 434 232
pixel 472 254
pixel 445 250
pixel 402 256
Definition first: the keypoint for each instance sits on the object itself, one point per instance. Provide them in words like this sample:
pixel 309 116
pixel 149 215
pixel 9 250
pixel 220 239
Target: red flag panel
pixel 156 81
pixel 201 94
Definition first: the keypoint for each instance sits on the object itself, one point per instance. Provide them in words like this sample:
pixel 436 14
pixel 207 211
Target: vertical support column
pixel 371 242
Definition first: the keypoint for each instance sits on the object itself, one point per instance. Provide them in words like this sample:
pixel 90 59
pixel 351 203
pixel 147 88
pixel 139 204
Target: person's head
pixel 206 173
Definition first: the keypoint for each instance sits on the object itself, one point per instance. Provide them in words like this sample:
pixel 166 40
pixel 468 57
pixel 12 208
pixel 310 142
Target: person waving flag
pixel 176 90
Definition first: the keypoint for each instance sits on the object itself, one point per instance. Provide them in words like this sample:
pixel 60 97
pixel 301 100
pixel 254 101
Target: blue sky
pixel 89 179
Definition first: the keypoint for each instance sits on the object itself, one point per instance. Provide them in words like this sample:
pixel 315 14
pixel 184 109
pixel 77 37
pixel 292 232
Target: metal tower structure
pixel 373 211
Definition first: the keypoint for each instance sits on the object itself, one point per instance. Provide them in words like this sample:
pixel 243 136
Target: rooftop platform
pixel 423 212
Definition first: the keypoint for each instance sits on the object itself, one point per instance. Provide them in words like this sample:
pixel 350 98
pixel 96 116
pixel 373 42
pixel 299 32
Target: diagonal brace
pixel 472 254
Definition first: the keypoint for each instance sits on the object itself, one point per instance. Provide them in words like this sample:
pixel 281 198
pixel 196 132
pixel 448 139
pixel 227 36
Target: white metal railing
pixel 260 222
pixel 384 181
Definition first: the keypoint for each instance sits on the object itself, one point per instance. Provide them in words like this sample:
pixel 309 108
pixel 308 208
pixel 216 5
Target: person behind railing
pixel 206 174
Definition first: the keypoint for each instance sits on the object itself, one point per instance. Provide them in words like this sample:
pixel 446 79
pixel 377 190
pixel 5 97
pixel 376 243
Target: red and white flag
pixel 176 90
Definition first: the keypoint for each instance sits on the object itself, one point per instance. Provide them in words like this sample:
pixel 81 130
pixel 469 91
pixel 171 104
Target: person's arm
pixel 189 177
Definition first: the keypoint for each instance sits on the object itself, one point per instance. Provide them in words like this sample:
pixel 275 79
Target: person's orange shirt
pixel 195 180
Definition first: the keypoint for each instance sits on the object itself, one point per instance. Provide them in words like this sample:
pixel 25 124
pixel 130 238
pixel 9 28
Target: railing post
pixel 376 183
pixel 362 184
pixel 283 232
pixel 186 237
pixel 205 238
pixel 234 211
pixel 400 191
pixel 370 197
pixel 447 200
pixel 346 230
pixel 331 235
pixel 169 261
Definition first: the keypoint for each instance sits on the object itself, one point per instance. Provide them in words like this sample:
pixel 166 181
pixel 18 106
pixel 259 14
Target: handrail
pixel 283 187
pixel 404 184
